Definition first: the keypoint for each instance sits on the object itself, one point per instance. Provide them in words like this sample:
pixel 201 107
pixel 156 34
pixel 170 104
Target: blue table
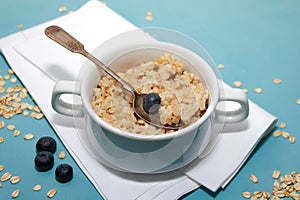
pixel 256 41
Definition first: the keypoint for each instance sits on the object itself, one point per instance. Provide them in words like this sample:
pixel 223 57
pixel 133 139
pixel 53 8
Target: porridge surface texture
pixel 183 95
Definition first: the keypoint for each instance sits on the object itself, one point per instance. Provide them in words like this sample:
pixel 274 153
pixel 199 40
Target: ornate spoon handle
pixel 66 40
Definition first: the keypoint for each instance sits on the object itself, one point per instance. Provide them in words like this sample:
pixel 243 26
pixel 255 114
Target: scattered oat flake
pixel 282 125
pixel 33 114
pixel 62 155
pixel 0 185
pixel 277 133
pixel 253 178
pixel 19 111
pixel 7 76
pixel 15 179
pixel 237 83
pixel 297 186
pixel 28 136
pixel 6 176
pixel 51 193
pixel 17 133
pixel 10 71
pixel 10 127
pixel 279 193
pixel 266 194
pixel 37 187
pixel 221 66
pixel 149 18
pixel 276 80
pixel 15 193
pixel 25 113
pixel 20 26
pixel 285 134
pixel 23 94
pixel 246 195
pixel 294 173
pixel 1 168
pixel 276 174
pixel 38 115
pixel 62 9
pixel 292 139
pixel 9 90
pixel 1 139
pixel 13 80
pixel 258 90
pixel 298 101
pixel 276 184
pixel 258 194
pixel 2 124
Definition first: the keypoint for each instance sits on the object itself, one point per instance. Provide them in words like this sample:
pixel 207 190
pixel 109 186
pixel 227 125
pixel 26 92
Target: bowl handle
pixel 234 115
pixel 64 107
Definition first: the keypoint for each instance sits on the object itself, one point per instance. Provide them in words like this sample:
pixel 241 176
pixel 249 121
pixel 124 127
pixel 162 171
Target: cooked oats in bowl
pixel 184 97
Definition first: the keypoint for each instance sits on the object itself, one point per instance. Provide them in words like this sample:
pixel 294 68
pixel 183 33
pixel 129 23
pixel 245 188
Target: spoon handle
pixel 66 40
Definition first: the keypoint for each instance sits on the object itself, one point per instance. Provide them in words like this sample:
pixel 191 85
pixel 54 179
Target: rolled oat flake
pixel 28 136
pixel 253 178
pixel 15 193
pixel 51 193
pixel 15 179
pixel 37 187
pixel 6 176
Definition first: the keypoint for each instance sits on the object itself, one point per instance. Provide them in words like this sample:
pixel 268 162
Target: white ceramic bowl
pixel 149 153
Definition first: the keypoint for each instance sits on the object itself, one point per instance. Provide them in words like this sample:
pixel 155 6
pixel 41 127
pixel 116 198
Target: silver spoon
pixel 63 38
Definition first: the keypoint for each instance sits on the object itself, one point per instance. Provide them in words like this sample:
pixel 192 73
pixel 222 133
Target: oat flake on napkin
pixel 31 54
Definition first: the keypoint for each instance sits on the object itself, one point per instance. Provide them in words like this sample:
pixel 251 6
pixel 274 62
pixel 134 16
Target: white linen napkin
pixel 31 54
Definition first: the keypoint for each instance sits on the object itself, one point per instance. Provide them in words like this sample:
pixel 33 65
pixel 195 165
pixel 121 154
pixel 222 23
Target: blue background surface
pixel 255 40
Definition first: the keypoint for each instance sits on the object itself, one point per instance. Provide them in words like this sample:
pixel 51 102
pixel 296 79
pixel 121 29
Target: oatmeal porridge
pixel 183 96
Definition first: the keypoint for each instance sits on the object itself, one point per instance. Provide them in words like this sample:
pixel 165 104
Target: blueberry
pixel 64 173
pixel 151 103
pixel 44 161
pixel 46 144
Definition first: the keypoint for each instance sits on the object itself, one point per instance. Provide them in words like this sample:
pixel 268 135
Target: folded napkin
pixel 31 54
